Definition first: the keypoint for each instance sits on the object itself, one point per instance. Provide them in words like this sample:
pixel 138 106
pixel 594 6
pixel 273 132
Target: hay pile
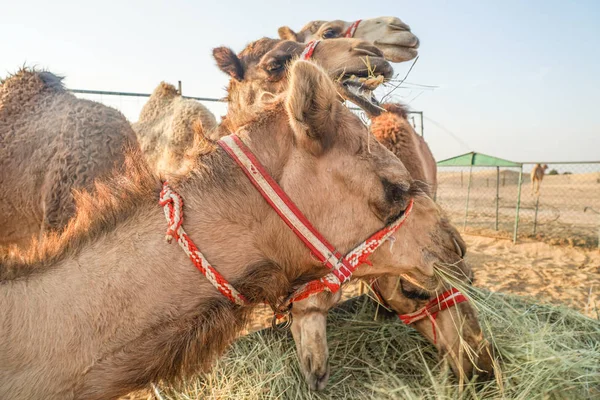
pixel 546 352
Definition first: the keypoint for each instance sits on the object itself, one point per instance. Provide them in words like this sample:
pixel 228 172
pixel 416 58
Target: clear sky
pixel 516 79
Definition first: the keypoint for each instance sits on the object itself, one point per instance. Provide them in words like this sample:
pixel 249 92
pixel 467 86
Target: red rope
pixel 449 298
pixel 352 29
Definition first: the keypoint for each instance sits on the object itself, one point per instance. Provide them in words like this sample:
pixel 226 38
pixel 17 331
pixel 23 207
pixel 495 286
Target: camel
pixel 537 174
pixel 393 130
pixel 392 36
pixel 457 328
pixel 168 126
pixel 51 143
pixel 259 72
pixel 106 307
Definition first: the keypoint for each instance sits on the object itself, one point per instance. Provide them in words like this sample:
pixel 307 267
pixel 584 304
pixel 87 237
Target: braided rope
pixel 449 298
pixel 352 29
pixel 334 280
pixel 172 204
pixel 309 50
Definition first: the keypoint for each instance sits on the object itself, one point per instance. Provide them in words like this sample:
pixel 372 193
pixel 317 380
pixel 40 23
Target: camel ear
pixel 228 62
pixel 312 105
pixel 286 33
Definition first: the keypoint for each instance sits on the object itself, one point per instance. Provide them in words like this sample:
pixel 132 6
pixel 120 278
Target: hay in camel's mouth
pixel 359 90
pixel 358 86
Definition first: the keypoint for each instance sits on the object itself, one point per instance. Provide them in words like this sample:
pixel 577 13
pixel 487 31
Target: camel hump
pixel 51 81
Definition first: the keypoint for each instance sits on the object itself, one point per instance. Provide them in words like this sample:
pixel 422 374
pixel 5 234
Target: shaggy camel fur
pixel 537 174
pixel 256 71
pixel 393 130
pixel 389 34
pixel 108 307
pixel 260 72
pixel 51 142
pixel 168 127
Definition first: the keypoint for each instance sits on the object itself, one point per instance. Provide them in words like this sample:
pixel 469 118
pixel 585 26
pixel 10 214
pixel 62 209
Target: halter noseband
pixel 341 266
pixel 447 299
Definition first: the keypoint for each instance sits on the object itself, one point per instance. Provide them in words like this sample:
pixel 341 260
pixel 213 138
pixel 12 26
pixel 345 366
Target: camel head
pixel 261 71
pixel 337 156
pixel 392 36
pixel 456 332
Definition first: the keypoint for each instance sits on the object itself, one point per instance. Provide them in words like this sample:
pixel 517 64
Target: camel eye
pixel 412 292
pixel 329 33
pixel 275 66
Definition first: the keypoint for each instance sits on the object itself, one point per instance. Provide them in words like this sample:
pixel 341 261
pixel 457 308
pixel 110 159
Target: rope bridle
pixel 309 49
pixel 341 266
pixel 352 29
pixel 447 299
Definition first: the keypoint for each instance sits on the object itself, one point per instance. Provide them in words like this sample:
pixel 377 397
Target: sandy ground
pixel 552 274
pixel 558 275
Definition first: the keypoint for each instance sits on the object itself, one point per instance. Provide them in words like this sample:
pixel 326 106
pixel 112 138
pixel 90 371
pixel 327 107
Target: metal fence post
pixel 497 194
pixel 535 214
pixel 468 192
pixel 518 205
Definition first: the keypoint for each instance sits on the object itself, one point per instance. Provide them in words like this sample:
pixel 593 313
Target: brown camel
pixel 389 34
pixel 456 330
pixel 537 174
pixel 108 307
pixel 51 142
pixel 168 126
pixel 393 130
pixel 258 72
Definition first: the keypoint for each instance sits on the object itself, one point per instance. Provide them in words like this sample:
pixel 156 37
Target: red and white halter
pixel 449 298
pixel 309 49
pixel 341 266
pixel 352 29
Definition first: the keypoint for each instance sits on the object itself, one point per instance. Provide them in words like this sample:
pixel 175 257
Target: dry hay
pixel 546 352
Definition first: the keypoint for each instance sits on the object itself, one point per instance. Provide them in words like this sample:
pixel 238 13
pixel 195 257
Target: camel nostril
pixel 308 361
pixel 368 50
pixel 399 26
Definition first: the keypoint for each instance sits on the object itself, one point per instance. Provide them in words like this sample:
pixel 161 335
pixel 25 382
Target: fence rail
pixel 132 111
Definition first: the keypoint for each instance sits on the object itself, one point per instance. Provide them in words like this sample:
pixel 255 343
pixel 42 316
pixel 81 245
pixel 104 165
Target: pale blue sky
pixel 517 79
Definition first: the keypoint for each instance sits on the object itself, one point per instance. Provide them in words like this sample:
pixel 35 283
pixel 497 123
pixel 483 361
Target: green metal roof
pixel 477 159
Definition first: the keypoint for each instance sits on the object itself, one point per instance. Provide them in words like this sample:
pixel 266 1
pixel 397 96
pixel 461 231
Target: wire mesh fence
pixel 492 194
pixel 566 210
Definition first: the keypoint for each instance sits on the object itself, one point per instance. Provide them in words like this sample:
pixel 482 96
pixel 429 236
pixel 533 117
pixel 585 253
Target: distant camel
pixel 168 127
pixel 51 142
pixel 537 174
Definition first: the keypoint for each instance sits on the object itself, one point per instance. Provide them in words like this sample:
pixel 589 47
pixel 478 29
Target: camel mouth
pixel 360 92
pixel 358 87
